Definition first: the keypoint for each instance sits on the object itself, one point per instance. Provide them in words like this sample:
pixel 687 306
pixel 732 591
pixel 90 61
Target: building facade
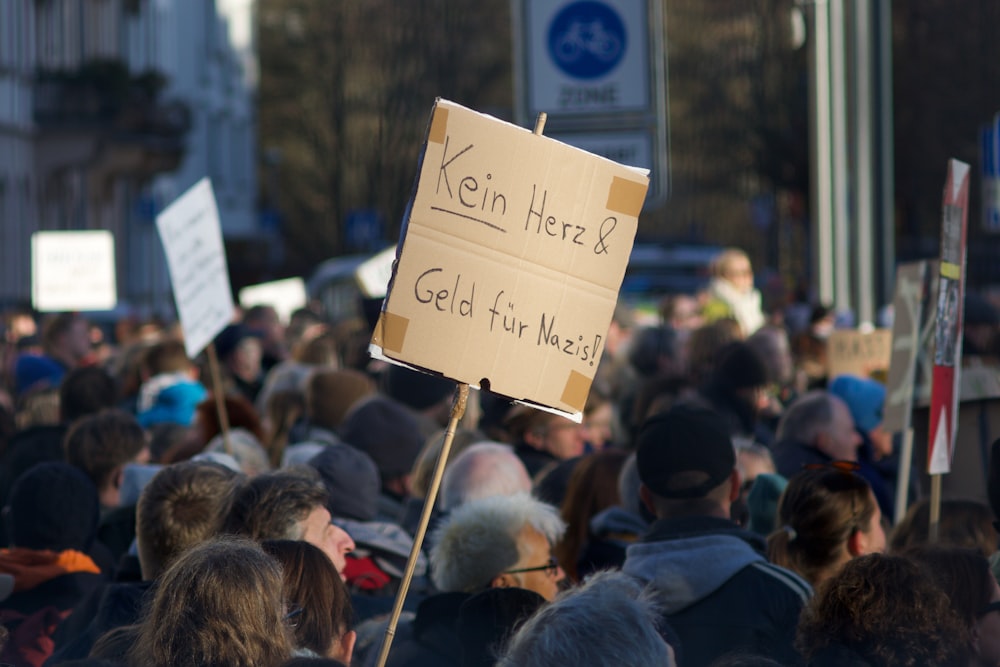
pixel 109 110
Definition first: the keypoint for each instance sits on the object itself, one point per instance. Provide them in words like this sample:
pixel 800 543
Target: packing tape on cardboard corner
pixel 950 270
pixel 626 197
pixel 439 126
pixel 576 390
pixel 390 331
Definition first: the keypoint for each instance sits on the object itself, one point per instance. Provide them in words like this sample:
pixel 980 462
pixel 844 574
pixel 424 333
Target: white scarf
pixel 745 305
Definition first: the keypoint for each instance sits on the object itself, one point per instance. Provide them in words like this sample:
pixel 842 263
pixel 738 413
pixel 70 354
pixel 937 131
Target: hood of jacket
pixel 687 569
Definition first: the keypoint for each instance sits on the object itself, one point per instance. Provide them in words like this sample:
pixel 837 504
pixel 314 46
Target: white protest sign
pixel 73 270
pixel 192 239
pixel 285 296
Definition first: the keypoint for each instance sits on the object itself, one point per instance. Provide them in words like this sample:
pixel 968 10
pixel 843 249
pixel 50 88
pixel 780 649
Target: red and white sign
pixel 948 330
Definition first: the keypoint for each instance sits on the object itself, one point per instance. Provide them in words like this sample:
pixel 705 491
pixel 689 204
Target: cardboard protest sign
pixel 912 328
pixel 510 261
pixel 950 311
pixel 73 270
pixel 192 239
pixel 285 296
pixel 865 354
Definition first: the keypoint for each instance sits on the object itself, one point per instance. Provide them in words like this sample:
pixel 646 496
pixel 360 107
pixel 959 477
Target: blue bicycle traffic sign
pixel 587 39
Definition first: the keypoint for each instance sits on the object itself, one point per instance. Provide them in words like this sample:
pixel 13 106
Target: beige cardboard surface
pixel 863 354
pixel 510 261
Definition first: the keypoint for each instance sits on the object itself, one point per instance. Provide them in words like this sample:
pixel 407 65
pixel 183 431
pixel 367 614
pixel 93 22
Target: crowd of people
pixel 724 502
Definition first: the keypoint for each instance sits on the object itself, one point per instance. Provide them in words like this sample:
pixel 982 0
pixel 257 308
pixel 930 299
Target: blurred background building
pixel 109 109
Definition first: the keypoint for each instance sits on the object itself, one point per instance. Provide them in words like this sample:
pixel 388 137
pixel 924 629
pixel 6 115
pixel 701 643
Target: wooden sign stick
pixel 220 398
pixel 457 410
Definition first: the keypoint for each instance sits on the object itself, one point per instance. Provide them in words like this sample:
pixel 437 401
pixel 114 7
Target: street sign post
pixel 597 69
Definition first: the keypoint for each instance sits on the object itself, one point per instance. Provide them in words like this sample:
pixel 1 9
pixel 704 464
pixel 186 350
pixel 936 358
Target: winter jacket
pixel 717 590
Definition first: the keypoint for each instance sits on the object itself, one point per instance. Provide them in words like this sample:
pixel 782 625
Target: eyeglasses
pixel 551 568
pixel 842 466
pixel 993 606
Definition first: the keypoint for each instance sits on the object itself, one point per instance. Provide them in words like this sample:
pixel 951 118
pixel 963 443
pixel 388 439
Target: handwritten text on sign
pixel 511 261
pixel 196 258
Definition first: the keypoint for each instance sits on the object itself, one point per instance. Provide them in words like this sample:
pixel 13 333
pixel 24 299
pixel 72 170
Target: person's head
pixel 220 603
pixel 599 420
pixel 483 469
pixel 826 516
pixel 166 356
pixel 288 505
pixel 183 505
pixel 424 466
pixel 52 506
pixel 773 346
pixel 547 432
pixel 704 344
pixel 66 338
pixel 733 266
pixel 240 412
pixel 687 464
pixel 240 351
pixel 264 320
pixel 101 445
pixel 655 351
pixel 388 432
pixel 821 420
pixel 964 575
pixel 962 523
pixel 607 622
pixel 317 599
pixel 887 611
pixel 86 391
pixel 331 393
pixel 351 480
pixel 864 398
pixel 496 542
pixel 593 487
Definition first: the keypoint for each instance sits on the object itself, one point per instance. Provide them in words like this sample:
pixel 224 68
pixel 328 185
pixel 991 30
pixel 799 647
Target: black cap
pixel 685 439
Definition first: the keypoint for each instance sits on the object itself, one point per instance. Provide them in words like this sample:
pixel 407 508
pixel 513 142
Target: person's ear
pixel 734 485
pixel 347 646
pixel 857 543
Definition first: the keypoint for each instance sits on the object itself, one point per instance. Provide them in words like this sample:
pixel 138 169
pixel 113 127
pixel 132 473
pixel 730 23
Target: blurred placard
pixel 192 239
pixel 285 296
pixel 866 355
pixel 73 270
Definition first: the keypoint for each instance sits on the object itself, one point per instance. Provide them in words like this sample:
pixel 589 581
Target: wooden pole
pixel 932 533
pixel 457 410
pixel 903 474
pixel 220 397
pixel 540 122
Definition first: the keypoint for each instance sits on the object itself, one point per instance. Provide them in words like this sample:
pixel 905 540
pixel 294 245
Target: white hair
pixel 609 621
pixel 478 541
pixel 482 470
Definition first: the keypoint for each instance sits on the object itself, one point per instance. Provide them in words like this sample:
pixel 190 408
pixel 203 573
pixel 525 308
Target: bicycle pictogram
pixel 592 38
pixel 587 39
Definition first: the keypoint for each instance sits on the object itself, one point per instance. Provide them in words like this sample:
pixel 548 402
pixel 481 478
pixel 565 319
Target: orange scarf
pixel 31 567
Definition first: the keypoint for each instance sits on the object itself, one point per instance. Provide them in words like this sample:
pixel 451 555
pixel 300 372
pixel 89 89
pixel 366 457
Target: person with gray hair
pixel 495 542
pixel 489 542
pixel 482 470
pixel 609 621
pixel 816 428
